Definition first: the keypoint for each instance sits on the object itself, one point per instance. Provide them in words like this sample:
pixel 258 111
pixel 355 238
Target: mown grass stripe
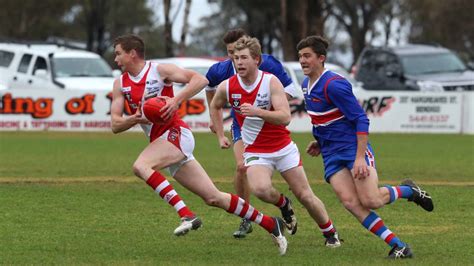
pixel 100 179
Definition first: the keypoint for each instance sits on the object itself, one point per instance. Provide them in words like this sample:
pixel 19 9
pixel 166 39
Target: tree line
pixel 277 24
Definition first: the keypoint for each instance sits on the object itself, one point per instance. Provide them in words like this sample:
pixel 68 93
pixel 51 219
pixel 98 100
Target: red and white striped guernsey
pixel 258 136
pixel 148 84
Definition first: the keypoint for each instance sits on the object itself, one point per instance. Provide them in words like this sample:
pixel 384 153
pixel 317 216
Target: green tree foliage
pixel 299 19
pixel 275 23
pixel 449 23
pixel 358 18
pixel 272 22
pixel 96 22
pixel 100 21
pixel 33 20
pixel 208 38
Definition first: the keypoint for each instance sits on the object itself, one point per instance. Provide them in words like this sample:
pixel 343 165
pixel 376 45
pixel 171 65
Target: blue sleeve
pixel 211 76
pixel 272 65
pixel 340 93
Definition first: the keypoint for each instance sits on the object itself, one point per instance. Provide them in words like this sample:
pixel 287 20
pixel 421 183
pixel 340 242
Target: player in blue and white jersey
pixel 222 71
pixel 340 127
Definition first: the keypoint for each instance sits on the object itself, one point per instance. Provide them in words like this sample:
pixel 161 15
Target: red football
pixel 151 109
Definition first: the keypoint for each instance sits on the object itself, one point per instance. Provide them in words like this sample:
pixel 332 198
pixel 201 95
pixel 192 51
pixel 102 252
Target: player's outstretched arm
pixel 118 121
pixel 195 83
pixel 218 102
pixel 209 96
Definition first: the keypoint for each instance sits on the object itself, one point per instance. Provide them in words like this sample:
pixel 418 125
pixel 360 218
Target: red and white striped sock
pixel 281 201
pixel 327 229
pixel 166 191
pixel 240 207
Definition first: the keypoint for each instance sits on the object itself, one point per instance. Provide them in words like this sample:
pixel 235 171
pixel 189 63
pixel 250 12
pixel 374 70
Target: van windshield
pixel 431 64
pixel 81 67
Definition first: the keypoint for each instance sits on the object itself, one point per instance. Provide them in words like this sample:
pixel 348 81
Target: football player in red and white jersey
pixel 215 75
pixel 262 111
pixel 172 143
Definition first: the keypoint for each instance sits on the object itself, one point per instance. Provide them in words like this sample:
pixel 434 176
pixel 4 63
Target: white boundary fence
pixel 59 110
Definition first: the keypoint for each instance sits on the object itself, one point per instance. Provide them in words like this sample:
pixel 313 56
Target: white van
pixel 49 66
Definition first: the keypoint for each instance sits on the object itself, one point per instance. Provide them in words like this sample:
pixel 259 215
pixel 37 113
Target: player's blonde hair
pixel 252 44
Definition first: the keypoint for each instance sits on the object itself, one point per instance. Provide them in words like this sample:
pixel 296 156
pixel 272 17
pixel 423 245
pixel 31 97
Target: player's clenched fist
pixel 249 110
pixel 313 148
pixel 224 142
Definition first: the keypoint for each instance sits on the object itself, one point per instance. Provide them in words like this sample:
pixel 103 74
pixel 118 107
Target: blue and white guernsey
pixel 336 115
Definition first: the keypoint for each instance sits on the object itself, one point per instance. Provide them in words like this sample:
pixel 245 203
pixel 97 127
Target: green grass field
pixel 70 198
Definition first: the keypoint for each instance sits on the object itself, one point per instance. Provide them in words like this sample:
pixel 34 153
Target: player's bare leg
pixel 346 190
pixel 241 184
pixel 260 182
pixel 154 157
pixel 241 187
pixel 193 177
pixel 343 185
pixel 157 155
pixel 370 194
pixel 299 185
pixel 373 197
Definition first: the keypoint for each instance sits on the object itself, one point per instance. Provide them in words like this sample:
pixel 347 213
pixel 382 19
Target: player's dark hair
pixel 233 35
pixel 130 42
pixel 318 44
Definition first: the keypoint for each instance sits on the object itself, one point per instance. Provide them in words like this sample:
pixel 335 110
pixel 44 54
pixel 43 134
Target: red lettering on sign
pixel 192 107
pixel 40 108
pixel 82 105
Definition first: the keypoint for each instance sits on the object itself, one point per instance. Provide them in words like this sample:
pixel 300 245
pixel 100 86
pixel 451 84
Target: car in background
pixel 293 69
pixel 51 66
pixel 200 65
pixel 412 67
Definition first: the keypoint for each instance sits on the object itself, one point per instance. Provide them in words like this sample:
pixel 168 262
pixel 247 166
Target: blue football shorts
pixel 235 128
pixel 345 158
